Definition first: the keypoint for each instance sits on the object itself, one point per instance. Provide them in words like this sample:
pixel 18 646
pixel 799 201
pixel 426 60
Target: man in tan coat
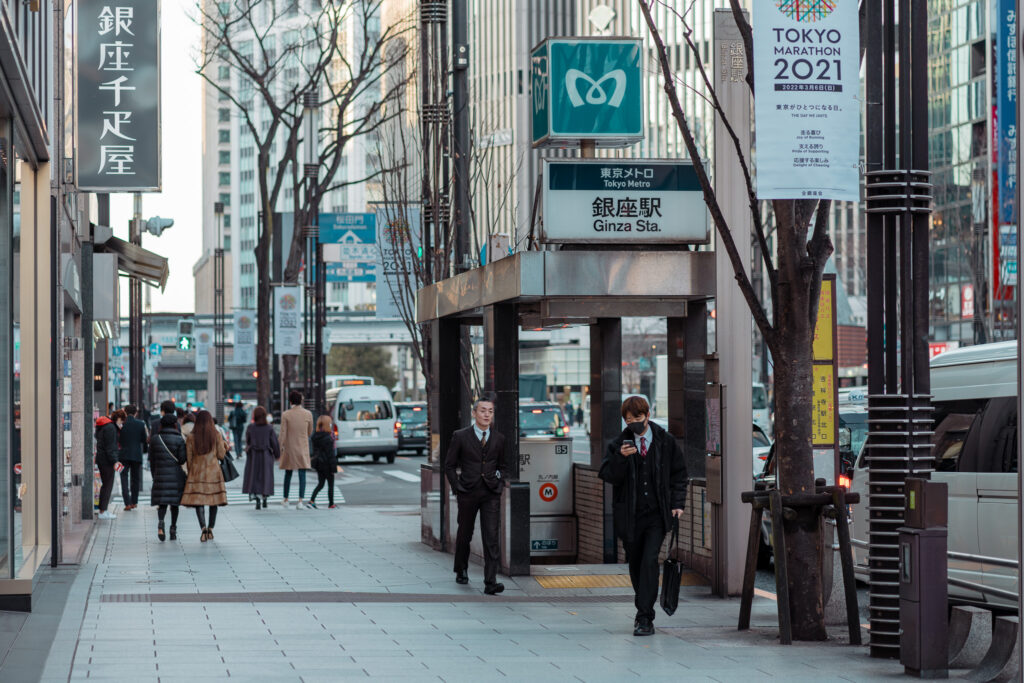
pixel 296 428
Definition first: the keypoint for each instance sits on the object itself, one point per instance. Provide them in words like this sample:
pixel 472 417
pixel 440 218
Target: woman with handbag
pixel 204 485
pixel 167 456
pixel 262 449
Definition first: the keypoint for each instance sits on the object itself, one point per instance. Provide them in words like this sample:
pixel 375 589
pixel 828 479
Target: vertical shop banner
pixel 825 391
pixel 118 113
pixel 204 338
pixel 287 320
pixel 1006 110
pixel 806 103
pixel 245 338
pixel 398 241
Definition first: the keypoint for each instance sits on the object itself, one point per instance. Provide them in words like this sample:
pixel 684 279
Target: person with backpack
pixel 107 437
pixel 325 462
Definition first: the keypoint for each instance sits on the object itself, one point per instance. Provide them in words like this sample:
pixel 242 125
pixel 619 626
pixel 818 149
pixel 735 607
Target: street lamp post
pixel 218 314
pixel 312 346
pixel 135 351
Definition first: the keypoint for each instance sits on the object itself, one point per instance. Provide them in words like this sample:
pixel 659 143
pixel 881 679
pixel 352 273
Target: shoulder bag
pixel 671 575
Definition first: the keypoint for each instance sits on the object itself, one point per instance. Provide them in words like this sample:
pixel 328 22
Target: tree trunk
pixel 263 312
pixel 793 397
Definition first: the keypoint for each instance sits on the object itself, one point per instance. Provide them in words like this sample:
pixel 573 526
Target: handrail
pixel 998 592
pixel 964 557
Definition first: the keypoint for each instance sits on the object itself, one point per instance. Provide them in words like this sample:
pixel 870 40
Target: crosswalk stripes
pixel 236 497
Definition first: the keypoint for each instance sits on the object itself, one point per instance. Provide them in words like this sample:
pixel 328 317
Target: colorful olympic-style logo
pixel 288 302
pixel 244 322
pixel 806 11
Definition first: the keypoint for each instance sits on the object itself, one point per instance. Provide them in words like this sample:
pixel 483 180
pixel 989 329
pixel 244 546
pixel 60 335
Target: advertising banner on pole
pixel 245 338
pixel 118 107
pixel 398 238
pixel 1006 110
pixel 624 201
pixel 349 249
pixel 287 320
pixel 204 338
pixel 806 107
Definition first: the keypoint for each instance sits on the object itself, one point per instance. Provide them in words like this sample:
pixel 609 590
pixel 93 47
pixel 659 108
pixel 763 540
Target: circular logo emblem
pixel 204 337
pixel 17 468
pixel 287 302
pixel 806 11
pixel 244 322
pixel 548 492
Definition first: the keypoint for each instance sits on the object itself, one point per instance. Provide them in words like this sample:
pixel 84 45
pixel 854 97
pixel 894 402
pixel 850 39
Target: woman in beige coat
pixel 204 486
pixel 296 428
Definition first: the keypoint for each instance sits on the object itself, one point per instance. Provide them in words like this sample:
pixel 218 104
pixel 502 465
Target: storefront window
pixel 11 215
pixel 9 371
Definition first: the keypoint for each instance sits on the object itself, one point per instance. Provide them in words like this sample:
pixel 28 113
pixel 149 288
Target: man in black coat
pixel 477 468
pixel 647 472
pixel 237 423
pixel 134 442
pixel 166 408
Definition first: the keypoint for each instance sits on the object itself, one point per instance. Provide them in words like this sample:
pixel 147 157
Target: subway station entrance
pixel 550 289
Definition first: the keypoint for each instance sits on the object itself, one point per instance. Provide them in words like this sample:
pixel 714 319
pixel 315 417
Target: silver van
pixel 975 451
pixel 364 420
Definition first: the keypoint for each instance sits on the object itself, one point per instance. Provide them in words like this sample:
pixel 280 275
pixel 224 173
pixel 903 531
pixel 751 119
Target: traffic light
pixel 184 343
pixel 186 328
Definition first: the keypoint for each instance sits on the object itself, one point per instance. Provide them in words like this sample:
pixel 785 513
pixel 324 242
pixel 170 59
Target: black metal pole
pixel 219 343
pixel 461 147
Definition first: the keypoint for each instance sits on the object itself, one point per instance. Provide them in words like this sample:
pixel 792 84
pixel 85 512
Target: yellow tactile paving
pixel 606 581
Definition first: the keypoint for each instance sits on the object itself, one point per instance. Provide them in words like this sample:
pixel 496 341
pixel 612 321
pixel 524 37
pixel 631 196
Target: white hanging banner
pixel 204 338
pixel 806 99
pixel 287 320
pixel 245 338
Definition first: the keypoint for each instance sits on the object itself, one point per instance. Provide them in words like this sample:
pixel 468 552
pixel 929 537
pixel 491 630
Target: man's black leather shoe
pixel 460 577
pixel 644 627
pixel 494 588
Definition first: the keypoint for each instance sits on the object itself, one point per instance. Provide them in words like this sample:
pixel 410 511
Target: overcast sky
pixel 181 198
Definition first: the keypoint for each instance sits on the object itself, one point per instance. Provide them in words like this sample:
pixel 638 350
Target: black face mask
pixel 637 428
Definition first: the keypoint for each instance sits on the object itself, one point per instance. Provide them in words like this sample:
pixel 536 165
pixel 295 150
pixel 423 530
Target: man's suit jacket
pixel 133 440
pixel 488 465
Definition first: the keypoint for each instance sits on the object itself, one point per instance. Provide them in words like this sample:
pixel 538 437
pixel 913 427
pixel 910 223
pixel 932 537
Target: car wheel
pixel 764 553
pixel 422 452
pixel 376 458
pixel 391 458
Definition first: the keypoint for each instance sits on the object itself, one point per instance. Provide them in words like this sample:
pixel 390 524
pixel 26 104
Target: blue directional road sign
pixel 355 254
pixel 116 351
pixel 155 349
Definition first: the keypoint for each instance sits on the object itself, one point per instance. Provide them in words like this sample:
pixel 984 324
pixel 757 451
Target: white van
pixel 762 416
pixel 364 420
pixel 975 450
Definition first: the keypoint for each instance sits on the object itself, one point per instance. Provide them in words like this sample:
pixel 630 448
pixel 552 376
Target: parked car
pixel 762 444
pixel 364 421
pixel 542 419
pixel 974 449
pixel 411 423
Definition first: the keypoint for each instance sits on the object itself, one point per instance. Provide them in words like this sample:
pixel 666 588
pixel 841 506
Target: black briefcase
pixel 671 575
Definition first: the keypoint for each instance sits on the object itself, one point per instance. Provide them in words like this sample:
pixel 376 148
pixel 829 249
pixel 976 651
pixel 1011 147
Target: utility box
pixel 924 626
pixel 546 464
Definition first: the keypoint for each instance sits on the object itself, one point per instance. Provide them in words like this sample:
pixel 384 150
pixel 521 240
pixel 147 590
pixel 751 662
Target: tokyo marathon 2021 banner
pixel 807 99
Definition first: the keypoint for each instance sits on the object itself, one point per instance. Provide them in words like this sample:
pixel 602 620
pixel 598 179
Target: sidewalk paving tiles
pixel 285 595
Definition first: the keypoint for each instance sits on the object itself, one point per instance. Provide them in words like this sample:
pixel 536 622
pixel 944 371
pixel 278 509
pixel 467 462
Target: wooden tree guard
pixel 831 501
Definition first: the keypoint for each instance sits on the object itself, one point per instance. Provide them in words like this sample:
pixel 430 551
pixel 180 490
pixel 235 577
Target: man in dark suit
pixel 647 472
pixel 134 442
pixel 477 469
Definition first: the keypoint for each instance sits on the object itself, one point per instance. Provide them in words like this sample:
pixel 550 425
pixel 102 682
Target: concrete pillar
pixel 733 319
pixel 605 407
pixel 445 358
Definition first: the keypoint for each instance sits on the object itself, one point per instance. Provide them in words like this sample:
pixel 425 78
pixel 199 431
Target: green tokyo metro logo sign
pixel 587 89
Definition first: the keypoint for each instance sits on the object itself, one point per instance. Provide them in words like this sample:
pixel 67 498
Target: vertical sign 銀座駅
pixel 806 101
pixel 118 112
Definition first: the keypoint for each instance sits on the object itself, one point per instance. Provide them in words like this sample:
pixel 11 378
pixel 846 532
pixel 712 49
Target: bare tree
pixel 278 54
pixel 794 283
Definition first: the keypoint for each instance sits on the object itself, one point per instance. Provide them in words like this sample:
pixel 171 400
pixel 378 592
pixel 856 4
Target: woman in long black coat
pixel 166 456
pixel 262 449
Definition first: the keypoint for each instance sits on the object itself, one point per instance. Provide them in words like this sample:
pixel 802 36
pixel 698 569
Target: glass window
pixel 364 410
pixel 224 178
pixel 224 157
pixel 227 243
pixel 224 136
pixel 10 411
pixel 225 198
pixel 223 73
pixel 223 114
